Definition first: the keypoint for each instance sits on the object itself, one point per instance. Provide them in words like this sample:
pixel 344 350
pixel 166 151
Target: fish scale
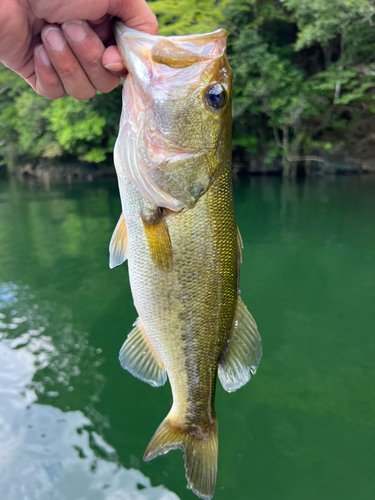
pixel 197 318
pixel 178 231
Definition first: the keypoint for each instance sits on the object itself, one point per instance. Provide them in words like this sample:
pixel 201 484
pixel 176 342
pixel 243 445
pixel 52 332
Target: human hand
pixel 45 43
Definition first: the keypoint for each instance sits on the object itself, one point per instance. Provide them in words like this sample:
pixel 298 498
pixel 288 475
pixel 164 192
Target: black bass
pixel 178 231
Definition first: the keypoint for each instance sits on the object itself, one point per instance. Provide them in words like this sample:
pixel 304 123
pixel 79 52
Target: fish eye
pixel 215 96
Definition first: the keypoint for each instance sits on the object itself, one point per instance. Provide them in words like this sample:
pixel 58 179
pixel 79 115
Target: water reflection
pixel 47 453
pixel 60 353
pixel 303 428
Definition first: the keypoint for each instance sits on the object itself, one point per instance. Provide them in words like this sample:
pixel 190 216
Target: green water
pixel 74 425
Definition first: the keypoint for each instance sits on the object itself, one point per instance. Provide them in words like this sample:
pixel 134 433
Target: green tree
pixel 188 16
pixel 34 127
pixel 282 92
pixel 303 85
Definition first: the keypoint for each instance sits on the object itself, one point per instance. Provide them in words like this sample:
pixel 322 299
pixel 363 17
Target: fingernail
pixel 114 66
pixel 43 55
pixel 75 30
pixel 55 39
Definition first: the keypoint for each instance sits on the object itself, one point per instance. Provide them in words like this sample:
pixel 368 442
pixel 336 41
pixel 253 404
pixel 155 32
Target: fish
pixel 178 232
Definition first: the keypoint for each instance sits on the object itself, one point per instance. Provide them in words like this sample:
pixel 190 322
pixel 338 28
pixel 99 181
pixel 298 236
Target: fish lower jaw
pixel 168 152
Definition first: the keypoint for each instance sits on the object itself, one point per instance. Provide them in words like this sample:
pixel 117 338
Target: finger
pixel 47 81
pixel 134 13
pixel 112 60
pixel 73 78
pixel 89 49
pixel 103 28
pixel 27 70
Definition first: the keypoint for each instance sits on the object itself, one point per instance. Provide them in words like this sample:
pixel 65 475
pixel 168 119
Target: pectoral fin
pixel 138 357
pixel 244 350
pixel 158 240
pixel 118 244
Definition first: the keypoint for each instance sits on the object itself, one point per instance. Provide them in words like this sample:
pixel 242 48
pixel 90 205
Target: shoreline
pixel 243 166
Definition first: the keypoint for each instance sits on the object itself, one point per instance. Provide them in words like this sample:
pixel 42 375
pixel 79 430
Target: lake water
pixel 74 425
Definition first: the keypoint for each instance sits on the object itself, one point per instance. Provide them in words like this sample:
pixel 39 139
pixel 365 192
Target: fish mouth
pixel 121 30
pixel 179 51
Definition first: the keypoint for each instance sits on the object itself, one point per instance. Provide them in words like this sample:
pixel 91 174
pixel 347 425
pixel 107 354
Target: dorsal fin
pixel 244 350
pixel 138 357
pixel 118 244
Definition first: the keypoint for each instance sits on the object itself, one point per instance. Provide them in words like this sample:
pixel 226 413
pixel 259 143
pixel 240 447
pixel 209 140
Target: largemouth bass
pixel 178 231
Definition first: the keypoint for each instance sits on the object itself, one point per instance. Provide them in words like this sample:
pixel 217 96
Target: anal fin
pixel 243 352
pixel 118 244
pixel 138 357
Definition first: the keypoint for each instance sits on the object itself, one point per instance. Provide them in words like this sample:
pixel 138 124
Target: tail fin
pixel 200 447
pixel 201 462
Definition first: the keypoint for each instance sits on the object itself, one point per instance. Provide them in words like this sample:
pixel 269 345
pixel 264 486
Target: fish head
pixel 176 120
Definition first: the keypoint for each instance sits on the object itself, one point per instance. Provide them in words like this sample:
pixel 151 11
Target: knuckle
pixel 67 71
pixel 94 60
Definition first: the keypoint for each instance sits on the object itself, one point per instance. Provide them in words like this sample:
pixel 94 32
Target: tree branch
pixel 277 137
pixel 320 159
pixel 238 112
pixel 292 159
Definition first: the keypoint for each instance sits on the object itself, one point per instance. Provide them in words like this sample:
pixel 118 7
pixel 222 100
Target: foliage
pixel 11 87
pixel 296 82
pixel 78 128
pixel 32 126
pixel 320 21
pixel 304 84
pixel 188 16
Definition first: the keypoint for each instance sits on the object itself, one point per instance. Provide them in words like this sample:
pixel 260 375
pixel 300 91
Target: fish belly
pixel 187 312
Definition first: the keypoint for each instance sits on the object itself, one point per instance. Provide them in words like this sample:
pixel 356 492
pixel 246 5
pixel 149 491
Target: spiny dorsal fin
pixel 158 240
pixel 138 357
pixel 200 447
pixel 118 244
pixel 244 350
